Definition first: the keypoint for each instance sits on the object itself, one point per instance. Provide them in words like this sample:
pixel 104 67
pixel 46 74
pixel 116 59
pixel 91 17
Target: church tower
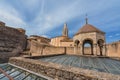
pixel 65 30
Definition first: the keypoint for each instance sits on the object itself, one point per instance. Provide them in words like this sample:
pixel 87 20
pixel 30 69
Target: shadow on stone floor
pixel 5 60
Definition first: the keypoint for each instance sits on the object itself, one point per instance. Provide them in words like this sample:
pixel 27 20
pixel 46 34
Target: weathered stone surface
pixel 12 42
pixel 59 72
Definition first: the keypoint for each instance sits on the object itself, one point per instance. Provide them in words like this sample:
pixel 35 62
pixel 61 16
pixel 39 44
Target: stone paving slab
pixel 92 63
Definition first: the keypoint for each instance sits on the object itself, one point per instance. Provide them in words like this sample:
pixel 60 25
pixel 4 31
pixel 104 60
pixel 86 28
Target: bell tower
pixel 65 30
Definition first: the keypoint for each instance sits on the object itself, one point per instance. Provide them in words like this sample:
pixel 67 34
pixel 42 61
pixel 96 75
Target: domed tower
pixel 89 40
pixel 65 30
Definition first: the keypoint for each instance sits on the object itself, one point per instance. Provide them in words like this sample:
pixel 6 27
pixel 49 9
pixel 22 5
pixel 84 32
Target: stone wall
pixel 67 44
pixel 60 72
pixel 12 42
pixel 69 50
pixel 113 49
pixel 37 49
pixel 54 50
pixel 57 40
pixel 87 51
pixel 81 37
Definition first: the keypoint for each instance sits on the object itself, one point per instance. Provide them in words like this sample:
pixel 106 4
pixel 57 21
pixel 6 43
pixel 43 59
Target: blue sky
pixel 46 17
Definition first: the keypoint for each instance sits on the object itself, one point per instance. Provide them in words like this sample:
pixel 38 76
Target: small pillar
pixel 81 49
pixel 104 50
pixel 95 49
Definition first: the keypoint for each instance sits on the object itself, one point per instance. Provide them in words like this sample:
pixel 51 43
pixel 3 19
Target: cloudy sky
pixel 47 17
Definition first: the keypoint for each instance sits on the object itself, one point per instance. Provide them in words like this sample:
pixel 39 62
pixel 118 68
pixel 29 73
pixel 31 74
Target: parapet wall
pixel 113 49
pixel 60 72
pixel 69 50
pixel 37 49
pixel 54 50
pixel 12 42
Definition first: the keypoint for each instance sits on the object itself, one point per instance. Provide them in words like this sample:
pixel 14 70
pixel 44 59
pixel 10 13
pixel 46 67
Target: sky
pixel 47 17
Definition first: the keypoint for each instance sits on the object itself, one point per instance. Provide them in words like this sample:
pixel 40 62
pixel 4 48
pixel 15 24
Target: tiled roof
pixel 89 28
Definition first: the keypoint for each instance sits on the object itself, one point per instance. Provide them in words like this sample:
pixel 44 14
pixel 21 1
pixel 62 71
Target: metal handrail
pixel 10 78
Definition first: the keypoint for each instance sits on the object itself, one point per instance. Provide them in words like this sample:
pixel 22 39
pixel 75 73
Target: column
pixel 95 49
pixel 81 49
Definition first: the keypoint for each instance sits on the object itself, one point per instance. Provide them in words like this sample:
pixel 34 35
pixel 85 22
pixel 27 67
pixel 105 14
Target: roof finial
pixel 86 19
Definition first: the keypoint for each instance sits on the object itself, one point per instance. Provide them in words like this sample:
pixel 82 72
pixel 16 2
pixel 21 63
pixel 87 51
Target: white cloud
pixel 110 36
pixel 46 36
pixel 117 34
pixel 10 16
pixel 48 21
pixel 46 15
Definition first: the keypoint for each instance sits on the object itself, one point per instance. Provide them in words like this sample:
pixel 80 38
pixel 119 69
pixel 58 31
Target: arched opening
pixel 100 43
pixel 77 43
pixel 87 47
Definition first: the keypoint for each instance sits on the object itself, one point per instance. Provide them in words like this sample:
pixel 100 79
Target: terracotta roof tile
pixel 89 28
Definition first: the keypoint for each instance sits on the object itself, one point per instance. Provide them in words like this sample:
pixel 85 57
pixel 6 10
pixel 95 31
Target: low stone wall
pixel 37 49
pixel 113 49
pixel 54 50
pixel 69 50
pixel 59 72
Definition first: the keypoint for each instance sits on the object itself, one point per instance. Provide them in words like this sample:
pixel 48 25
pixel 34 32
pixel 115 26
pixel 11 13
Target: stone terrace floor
pixel 93 63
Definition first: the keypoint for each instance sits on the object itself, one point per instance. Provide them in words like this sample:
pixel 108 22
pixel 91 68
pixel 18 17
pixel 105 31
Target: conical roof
pixel 89 28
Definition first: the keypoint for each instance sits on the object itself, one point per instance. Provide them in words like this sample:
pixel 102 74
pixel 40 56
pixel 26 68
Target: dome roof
pixel 89 28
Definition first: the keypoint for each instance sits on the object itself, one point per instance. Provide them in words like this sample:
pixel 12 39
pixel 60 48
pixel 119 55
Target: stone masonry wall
pixel 54 50
pixel 113 49
pixel 12 42
pixel 60 72
pixel 38 49
pixel 69 50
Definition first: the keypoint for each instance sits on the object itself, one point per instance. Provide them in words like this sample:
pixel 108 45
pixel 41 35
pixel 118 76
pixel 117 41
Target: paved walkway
pixel 92 63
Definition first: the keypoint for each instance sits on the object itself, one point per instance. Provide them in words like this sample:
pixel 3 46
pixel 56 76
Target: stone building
pixel 89 40
pixel 64 40
pixel 87 35
pixel 38 39
pixel 91 36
